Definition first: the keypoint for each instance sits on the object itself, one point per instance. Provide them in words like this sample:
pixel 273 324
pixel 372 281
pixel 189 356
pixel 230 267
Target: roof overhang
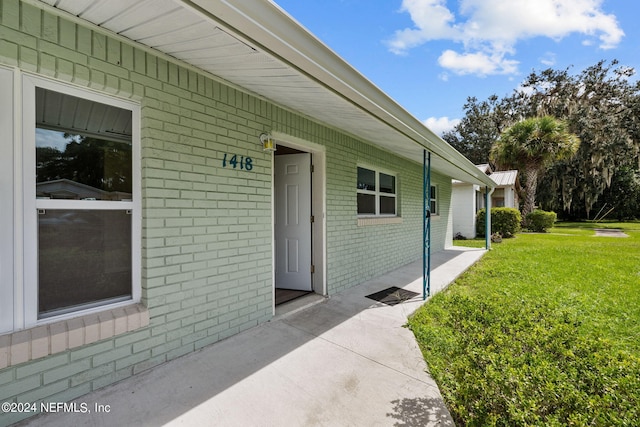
pixel 255 45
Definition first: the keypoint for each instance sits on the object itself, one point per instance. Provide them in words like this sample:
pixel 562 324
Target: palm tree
pixel 531 145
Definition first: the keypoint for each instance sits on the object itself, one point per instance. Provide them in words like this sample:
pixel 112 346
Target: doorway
pixel 298 222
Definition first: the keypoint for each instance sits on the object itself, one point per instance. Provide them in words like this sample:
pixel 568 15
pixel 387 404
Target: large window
pixel 377 194
pixel 82 209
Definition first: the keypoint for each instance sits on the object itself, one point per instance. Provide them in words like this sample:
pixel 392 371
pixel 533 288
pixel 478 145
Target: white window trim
pixel 7 195
pixel 377 193
pixel 26 314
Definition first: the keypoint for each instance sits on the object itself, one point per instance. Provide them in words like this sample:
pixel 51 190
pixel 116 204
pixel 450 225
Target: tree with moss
pixel 600 104
pixel 531 146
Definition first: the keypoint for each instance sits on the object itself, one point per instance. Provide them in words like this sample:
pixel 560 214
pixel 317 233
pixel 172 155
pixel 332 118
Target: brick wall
pixel 206 229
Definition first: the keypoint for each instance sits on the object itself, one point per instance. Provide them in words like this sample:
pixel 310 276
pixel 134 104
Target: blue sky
pixel 430 55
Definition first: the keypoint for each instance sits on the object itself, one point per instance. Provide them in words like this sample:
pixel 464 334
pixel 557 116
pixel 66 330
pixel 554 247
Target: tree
pixel 531 145
pixel 99 163
pixel 623 196
pixel 600 104
pixel 482 124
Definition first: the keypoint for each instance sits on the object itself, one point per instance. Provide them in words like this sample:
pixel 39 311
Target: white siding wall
pixel 463 202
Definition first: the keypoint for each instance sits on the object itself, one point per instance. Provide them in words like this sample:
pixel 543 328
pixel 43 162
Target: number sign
pixel 237 162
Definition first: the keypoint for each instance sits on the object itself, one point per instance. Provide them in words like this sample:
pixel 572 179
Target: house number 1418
pixel 244 163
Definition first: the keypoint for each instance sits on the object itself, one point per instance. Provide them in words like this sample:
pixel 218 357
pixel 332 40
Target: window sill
pixel 379 220
pixel 30 344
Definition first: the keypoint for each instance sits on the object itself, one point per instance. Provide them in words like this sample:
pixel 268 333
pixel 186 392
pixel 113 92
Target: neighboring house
pixel 72 190
pixel 176 100
pixel 467 199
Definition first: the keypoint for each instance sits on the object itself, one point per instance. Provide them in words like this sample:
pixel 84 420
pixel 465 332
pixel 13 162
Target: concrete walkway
pixel 346 361
pixel 610 232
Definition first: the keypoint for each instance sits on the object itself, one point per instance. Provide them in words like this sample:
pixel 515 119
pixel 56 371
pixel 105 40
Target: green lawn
pixel 544 330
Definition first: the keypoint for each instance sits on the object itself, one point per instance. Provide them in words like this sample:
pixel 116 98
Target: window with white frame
pixel 433 200
pixel 377 193
pixel 82 200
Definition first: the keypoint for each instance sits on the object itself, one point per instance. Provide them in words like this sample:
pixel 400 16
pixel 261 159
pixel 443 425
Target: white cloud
pixel 433 21
pixel 51 138
pixel 489 30
pixel 477 63
pixel 440 125
pixel 549 59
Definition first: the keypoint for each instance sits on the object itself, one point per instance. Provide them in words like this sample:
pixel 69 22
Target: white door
pixel 293 221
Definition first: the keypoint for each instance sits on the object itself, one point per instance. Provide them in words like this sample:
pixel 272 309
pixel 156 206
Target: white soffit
pixel 256 45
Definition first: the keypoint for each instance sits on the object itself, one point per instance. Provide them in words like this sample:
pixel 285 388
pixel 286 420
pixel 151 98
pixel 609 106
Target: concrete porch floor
pixel 345 361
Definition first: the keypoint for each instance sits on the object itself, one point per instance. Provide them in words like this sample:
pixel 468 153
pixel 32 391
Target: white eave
pixel 256 45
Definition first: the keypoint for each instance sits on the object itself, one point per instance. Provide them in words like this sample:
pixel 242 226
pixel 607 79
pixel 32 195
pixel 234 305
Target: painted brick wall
pixel 358 253
pixel 371 250
pixel 206 249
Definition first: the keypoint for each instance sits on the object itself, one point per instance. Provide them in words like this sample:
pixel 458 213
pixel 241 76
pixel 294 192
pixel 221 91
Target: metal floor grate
pixel 392 295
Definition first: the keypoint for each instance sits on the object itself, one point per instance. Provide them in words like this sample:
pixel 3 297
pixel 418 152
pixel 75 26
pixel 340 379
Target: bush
pixel 540 221
pixel 505 221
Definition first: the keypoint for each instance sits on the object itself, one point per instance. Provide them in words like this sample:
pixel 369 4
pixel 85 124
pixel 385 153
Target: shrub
pixel 540 221
pixel 505 221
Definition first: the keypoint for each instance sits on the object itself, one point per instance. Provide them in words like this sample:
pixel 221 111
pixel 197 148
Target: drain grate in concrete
pixel 392 295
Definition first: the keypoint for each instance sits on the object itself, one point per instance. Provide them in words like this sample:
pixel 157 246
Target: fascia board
pixel 267 26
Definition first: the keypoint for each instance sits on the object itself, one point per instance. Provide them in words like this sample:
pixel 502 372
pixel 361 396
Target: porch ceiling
pixel 259 47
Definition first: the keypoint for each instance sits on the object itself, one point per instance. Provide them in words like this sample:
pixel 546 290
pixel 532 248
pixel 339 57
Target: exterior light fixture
pixel 268 143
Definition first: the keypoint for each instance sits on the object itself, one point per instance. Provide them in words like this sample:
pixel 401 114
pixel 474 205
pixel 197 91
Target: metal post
pixel 426 224
pixel 487 218
pixel 429 224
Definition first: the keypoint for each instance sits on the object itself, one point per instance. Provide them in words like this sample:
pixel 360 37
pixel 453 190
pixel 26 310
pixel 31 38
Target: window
pixel 433 201
pixel 377 194
pixel 82 210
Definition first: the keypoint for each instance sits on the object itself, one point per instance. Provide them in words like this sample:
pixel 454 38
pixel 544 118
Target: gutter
pixel 264 24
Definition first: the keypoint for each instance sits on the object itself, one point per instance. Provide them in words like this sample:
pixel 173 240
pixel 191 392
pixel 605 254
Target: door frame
pixel 318 210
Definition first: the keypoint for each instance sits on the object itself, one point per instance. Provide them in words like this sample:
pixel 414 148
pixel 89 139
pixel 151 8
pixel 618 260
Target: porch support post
pixel 426 225
pixel 487 217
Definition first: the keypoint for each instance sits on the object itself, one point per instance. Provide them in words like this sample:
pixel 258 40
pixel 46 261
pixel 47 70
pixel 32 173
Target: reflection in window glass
pixel 83 152
pixel 387 183
pixel 83 149
pixel 84 257
pixel 366 204
pixel 387 205
pixel 366 179
pixel 376 193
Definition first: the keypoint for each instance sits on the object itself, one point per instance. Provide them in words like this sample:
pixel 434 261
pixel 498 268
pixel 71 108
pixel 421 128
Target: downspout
pixel 487 216
pixel 426 224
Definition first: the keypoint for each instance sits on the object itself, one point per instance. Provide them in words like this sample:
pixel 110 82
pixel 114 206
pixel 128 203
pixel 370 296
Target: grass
pixel 544 330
